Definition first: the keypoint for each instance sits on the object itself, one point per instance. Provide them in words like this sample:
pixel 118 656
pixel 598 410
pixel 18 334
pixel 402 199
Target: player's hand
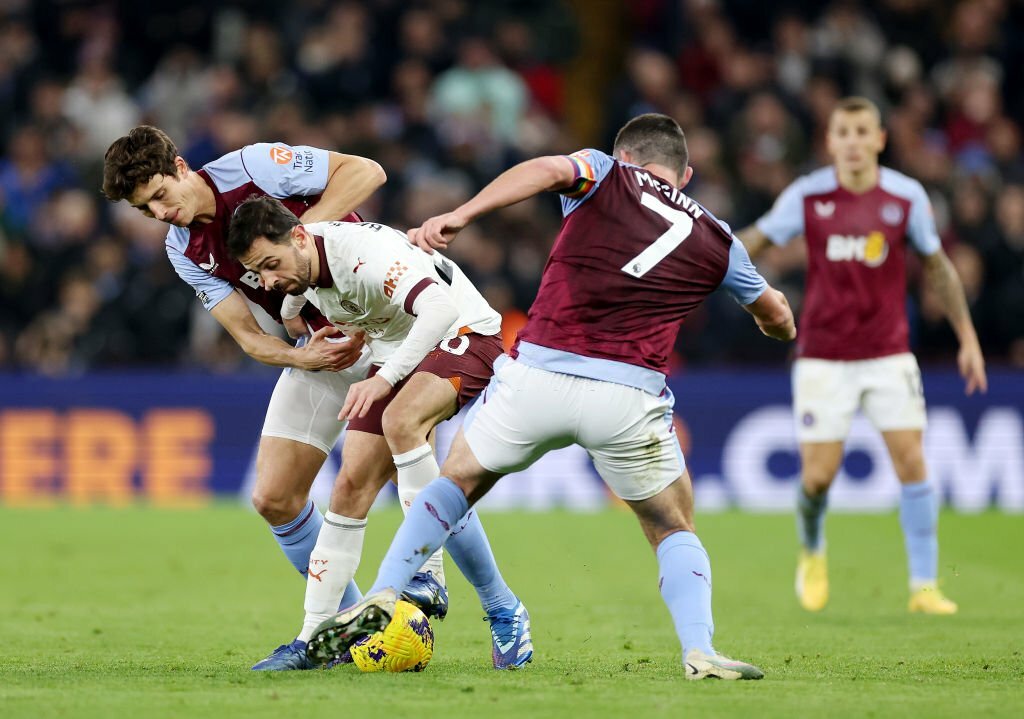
pixel 296 327
pixel 437 232
pixel 324 353
pixel 362 395
pixel 972 367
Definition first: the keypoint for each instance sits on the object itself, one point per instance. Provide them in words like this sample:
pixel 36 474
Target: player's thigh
pixel 366 466
pixel 825 398
pixel 667 512
pixel 523 413
pixel 893 393
pixel 423 401
pixel 630 437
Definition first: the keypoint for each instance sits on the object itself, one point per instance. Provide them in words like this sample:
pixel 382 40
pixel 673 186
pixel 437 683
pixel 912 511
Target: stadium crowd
pixel 447 93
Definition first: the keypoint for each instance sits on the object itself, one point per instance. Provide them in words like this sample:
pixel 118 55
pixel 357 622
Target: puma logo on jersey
pixel 870 250
pixel 359 263
pixel 211 267
pixel 316 576
pixel 824 209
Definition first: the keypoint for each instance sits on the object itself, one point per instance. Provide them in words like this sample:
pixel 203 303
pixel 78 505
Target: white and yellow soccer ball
pixel 406 644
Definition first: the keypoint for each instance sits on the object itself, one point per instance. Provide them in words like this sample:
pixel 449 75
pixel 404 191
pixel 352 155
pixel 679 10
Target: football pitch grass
pixel 159 613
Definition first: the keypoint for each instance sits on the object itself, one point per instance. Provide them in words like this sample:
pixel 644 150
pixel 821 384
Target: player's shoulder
pixel 228 172
pixel 817 182
pixel 721 227
pixel 896 183
pixel 177 239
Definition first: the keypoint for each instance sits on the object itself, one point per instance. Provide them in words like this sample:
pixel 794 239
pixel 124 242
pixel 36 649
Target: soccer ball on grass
pixel 406 644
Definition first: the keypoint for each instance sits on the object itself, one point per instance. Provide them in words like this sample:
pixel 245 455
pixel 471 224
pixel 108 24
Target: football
pixel 406 644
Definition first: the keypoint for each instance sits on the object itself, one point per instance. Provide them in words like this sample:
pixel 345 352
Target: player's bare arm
pixel 541 174
pixel 318 354
pixel 773 315
pixel 941 276
pixel 754 240
pixel 350 182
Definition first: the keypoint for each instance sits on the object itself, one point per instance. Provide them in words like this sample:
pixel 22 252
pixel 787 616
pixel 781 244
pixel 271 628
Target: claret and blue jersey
pixel 854 307
pixel 633 258
pixel 296 175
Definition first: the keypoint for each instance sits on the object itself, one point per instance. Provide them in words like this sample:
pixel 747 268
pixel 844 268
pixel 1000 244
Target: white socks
pixel 332 565
pixel 416 469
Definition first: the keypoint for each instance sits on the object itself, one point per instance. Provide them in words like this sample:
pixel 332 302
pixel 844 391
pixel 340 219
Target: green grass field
pixel 147 613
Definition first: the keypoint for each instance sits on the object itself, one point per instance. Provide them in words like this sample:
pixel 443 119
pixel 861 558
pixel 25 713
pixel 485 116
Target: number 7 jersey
pixel 634 257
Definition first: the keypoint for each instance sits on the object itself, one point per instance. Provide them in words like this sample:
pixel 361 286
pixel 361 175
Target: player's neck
pixel 663 172
pixel 314 261
pixel 207 207
pixel 858 181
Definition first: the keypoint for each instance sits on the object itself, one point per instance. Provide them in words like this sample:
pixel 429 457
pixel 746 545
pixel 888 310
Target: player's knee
pixel 816 480
pixel 403 427
pixel 354 493
pixel 909 466
pixel 276 508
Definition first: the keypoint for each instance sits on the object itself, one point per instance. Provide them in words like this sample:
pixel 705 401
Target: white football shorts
pixel 526 412
pixel 304 406
pixel 827 393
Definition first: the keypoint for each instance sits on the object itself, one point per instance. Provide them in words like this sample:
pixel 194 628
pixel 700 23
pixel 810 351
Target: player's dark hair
pixel 135 159
pixel 855 103
pixel 654 138
pixel 259 217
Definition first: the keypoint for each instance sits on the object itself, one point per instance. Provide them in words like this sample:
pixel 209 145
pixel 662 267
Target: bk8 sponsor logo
pixel 871 249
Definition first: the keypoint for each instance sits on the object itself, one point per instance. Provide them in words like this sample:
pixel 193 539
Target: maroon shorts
pixel 467 361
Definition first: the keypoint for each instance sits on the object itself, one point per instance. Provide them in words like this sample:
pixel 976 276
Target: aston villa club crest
pixel 892 213
pixel 824 209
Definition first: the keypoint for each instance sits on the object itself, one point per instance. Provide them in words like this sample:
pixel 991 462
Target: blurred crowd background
pixel 445 94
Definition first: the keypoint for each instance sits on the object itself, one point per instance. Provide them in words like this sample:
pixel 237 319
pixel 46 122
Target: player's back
pixel 635 256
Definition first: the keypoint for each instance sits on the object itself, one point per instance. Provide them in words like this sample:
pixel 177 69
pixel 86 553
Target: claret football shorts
pixel 827 393
pixel 527 411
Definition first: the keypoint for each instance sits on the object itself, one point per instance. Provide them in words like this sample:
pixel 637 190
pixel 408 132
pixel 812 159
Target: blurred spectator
pixel 446 94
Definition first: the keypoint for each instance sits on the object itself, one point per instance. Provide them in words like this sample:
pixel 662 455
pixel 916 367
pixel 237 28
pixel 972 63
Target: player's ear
pixel 299 236
pixel 181 165
pixel 685 179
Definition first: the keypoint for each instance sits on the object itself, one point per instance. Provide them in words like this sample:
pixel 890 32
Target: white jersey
pixel 376 275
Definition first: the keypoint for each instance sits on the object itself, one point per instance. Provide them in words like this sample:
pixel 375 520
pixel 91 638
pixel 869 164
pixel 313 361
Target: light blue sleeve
pixel 921 230
pixel 285 171
pixel 209 289
pixel 592 166
pixel 786 218
pixel 741 280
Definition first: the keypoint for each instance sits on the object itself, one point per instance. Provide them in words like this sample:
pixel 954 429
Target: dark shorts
pixel 467 361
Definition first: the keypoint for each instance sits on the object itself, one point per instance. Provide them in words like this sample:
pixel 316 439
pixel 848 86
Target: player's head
pixel 654 139
pixel 144 168
pixel 269 240
pixel 855 136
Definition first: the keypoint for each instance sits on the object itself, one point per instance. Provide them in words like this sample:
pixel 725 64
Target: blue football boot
pixel 286 657
pixel 428 594
pixel 510 633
